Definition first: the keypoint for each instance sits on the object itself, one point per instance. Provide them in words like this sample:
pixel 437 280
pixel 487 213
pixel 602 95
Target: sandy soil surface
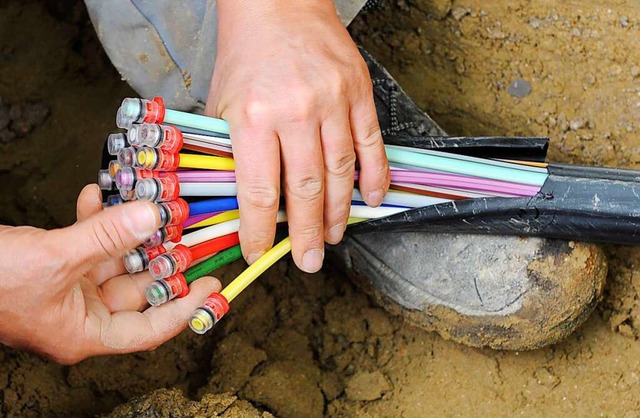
pixel 313 345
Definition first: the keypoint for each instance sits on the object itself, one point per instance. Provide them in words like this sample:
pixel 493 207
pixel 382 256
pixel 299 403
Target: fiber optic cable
pixel 208 189
pixel 461 157
pixel 207 162
pixel 164 290
pixel 228 227
pixel 404 199
pixel 217 140
pixel 213 205
pixel 181 257
pixel 153 159
pixel 219 218
pixel 470 167
pixel 198 218
pixel 133 110
pixel 217 304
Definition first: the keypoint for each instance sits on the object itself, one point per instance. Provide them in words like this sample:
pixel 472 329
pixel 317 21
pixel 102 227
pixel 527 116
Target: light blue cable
pixel 470 158
pixel 191 120
pixel 469 167
pixel 433 160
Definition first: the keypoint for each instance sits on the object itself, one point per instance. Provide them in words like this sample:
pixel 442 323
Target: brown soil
pixel 314 345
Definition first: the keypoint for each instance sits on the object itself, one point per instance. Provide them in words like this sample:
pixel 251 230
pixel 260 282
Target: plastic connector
pixel 170 233
pixel 139 258
pixel 166 138
pixel 206 316
pixel 127 157
pixel 175 261
pixel 127 195
pixel 163 290
pixel 164 189
pixel 114 166
pixel 104 180
pixel 175 212
pixel 116 142
pixel 113 200
pixel 154 159
pixel 134 110
pixel 127 177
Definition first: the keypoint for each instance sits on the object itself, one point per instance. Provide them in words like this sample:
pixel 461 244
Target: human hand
pixel 297 94
pixel 64 294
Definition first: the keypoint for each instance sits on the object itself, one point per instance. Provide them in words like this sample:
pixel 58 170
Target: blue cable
pixel 213 205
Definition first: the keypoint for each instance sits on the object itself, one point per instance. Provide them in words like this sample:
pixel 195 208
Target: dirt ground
pixel 313 345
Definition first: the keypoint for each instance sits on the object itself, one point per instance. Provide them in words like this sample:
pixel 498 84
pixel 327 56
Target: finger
pixel 367 141
pixel 126 292
pixel 106 235
pixel 130 331
pixel 303 179
pixel 339 162
pixel 89 202
pixel 257 157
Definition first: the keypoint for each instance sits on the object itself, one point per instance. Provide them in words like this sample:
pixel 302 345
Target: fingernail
pixel 143 219
pixel 251 258
pixel 374 199
pixel 334 235
pixel 312 260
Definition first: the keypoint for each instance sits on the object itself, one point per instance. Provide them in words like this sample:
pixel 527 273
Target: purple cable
pixel 198 218
pixel 467 183
pixel 424 178
pixel 205 176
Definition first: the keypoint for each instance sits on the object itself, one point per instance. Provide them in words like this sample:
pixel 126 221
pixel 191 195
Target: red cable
pixel 213 246
pixel 207 151
pixel 441 195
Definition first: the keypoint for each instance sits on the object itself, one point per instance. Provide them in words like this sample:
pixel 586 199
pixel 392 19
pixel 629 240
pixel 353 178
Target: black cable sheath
pixel 575 203
pixel 503 147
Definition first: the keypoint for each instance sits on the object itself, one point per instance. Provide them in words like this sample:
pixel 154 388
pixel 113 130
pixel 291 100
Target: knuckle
pixel 341 165
pixel 302 106
pixel 337 83
pixel 261 196
pixel 371 138
pixel 257 111
pixel 308 232
pixel 307 188
pixel 257 239
pixel 108 238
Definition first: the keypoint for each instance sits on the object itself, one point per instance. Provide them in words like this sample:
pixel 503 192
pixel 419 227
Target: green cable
pixel 215 262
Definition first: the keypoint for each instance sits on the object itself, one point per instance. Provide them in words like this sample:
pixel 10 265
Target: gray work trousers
pixel 168 47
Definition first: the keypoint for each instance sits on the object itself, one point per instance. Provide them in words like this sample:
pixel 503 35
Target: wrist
pixel 252 9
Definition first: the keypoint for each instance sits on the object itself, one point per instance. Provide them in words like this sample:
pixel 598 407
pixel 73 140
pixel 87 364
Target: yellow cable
pixel 217 219
pixel 256 269
pixel 261 265
pixel 207 162
pixel 529 163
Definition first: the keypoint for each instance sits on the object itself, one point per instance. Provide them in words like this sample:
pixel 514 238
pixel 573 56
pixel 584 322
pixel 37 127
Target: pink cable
pixel 425 178
pixel 206 176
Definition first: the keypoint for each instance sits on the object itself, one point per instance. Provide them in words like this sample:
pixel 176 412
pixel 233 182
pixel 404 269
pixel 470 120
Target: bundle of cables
pixel 183 162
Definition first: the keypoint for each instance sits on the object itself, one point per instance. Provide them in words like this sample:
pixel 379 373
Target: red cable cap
pixel 155 111
pixel 218 304
pixel 178 285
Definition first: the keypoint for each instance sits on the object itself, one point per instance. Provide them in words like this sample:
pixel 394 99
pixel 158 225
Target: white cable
pixel 208 189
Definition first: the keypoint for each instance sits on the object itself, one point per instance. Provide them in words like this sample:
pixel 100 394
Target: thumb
pixel 89 202
pixel 109 233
